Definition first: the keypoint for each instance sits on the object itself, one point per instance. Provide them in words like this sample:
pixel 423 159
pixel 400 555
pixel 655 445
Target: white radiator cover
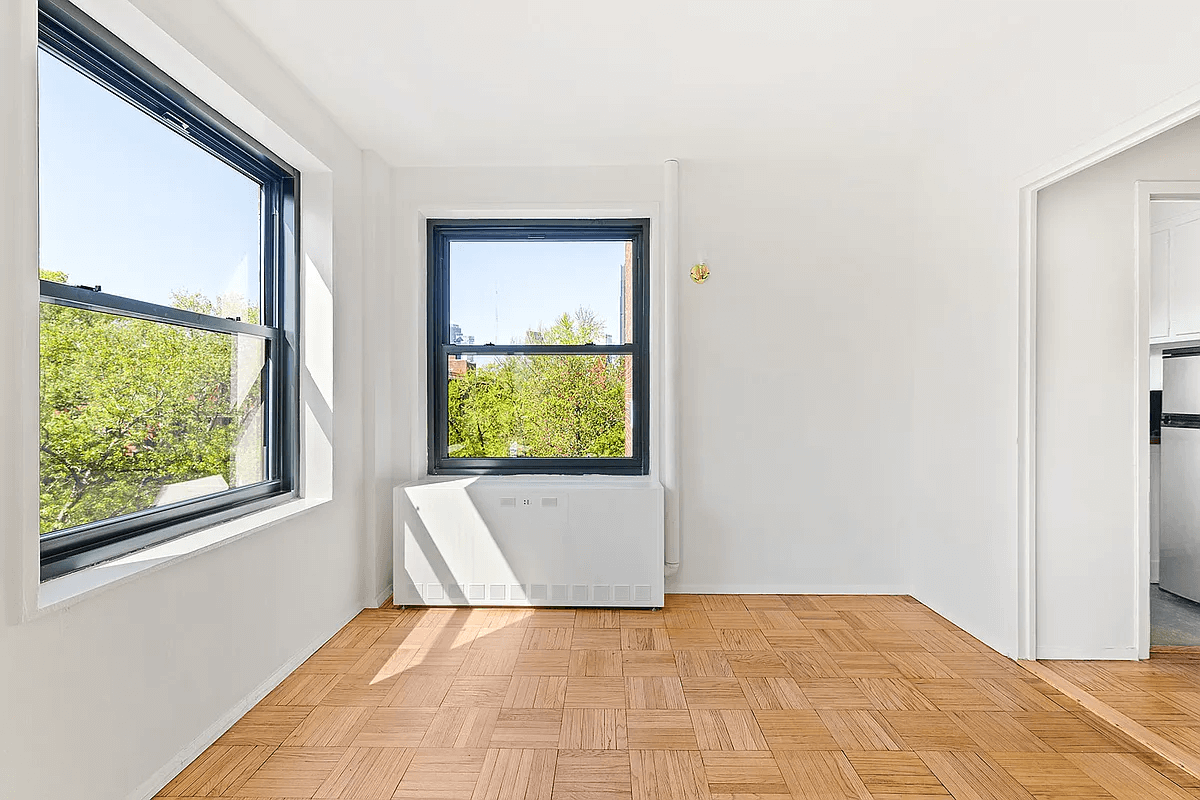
pixel 515 541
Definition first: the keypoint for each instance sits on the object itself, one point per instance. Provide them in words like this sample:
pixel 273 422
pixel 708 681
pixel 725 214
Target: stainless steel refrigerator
pixel 1179 515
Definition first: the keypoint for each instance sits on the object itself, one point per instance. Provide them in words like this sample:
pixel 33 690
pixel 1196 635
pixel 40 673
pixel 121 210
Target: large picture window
pixel 169 297
pixel 538 347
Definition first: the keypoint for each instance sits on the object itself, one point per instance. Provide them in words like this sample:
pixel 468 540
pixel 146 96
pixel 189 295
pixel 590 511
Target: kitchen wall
pixel 100 699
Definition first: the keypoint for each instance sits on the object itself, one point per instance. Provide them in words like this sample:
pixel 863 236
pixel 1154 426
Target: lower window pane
pixel 137 414
pixel 551 406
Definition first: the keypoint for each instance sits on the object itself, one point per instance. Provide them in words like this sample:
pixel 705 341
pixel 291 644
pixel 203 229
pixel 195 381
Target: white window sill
pixel 69 589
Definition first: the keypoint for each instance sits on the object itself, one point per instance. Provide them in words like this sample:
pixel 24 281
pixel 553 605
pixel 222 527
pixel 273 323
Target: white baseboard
pixel 1073 653
pixel 792 588
pixel 155 783
pixel 383 596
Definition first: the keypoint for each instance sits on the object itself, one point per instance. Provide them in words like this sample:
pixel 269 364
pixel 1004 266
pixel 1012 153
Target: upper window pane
pixel 536 292
pixel 130 205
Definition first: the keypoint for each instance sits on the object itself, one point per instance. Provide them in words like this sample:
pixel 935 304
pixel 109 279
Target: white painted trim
pixel 1027 432
pixel 1129 653
pixel 790 588
pixel 165 774
pixel 1168 114
pixel 1147 563
pixel 19 327
pixel 1141 404
pixel 383 595
pixel 419 454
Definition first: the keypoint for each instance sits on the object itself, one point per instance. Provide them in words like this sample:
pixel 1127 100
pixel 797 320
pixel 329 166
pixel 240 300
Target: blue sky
pixel 131 205
pixel 499 290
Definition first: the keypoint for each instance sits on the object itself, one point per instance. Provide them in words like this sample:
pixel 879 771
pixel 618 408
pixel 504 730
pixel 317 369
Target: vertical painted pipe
pixel 670 393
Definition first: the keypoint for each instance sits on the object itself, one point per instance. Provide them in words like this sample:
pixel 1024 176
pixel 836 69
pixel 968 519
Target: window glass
pixel 132 206
pixel 540 406
pixel 532 341
pixel 519 292
pixel 138 414
pixel 168 385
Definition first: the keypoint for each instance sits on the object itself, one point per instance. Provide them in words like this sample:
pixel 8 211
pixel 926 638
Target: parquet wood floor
pixel 725 697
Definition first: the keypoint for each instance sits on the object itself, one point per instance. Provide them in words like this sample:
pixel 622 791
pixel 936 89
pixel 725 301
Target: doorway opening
pixel 1172 242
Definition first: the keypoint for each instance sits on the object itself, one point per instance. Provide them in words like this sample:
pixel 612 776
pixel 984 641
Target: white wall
pixel 379 344
pixel 100 697
pixel 632 191
pixel 796 367
pixel 796 374
pixel 1087 394
pixel 1008 115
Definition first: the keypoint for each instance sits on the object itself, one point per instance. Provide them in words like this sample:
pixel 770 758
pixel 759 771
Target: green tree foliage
pixel 130 406
pixel 542 406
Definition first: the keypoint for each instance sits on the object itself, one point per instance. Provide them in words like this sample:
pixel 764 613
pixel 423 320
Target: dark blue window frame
pixel 74 38
pixel 439 235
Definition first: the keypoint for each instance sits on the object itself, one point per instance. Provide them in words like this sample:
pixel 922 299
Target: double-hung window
pixel 169 296
pixel 538 335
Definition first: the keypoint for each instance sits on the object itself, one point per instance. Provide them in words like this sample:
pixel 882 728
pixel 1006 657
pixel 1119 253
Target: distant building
pixel 458 365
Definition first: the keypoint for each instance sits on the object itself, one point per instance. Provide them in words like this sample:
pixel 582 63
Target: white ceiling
pixel 449 82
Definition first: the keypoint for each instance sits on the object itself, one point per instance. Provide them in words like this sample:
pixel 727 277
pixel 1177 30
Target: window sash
pixel 440 234
pixel 62 294
pixel 73 548
pixel 541 350
pixel 84 545
pixel 81 43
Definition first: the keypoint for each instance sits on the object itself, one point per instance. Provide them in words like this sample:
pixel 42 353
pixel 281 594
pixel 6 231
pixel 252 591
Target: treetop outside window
pixel 169 302
pixel 538 335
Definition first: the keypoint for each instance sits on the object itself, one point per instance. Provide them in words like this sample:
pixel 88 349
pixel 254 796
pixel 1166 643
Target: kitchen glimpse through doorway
pixel 1174 426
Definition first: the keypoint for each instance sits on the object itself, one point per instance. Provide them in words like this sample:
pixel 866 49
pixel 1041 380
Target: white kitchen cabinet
pixel 1175 274
pixel 1185 278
